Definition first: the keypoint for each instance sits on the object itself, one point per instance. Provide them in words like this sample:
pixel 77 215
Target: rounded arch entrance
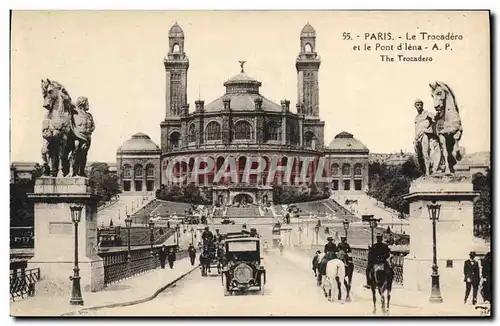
pixel 242 198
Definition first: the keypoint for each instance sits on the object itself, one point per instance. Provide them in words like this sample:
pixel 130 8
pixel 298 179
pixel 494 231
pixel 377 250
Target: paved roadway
pixel 290 291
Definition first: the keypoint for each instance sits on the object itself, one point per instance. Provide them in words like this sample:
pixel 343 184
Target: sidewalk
pixel 137 289
pixel 417 301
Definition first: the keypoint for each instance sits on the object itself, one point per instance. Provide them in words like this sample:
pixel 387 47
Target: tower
pixel 307 65
pixel 176 67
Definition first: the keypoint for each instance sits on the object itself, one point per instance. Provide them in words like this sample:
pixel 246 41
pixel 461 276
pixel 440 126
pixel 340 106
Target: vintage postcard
pixel 250 163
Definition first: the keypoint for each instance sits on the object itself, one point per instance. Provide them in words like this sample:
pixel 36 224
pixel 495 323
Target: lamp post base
pixel 76 293
pixel 435 290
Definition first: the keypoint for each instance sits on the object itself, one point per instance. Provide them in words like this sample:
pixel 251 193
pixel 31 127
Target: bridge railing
pixel 117 267
pixel 22 282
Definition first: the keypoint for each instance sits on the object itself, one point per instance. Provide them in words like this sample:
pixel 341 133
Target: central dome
pixel 139 143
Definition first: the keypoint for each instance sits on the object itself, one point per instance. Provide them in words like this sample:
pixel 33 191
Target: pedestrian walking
pixel 471 277
pixel 192 253
pixel 171 258
pixel 162 255
pixel 486 273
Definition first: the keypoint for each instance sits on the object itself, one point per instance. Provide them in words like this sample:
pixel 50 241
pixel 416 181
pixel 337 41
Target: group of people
pixel 472 277
pixel 166 254
pixel 331 249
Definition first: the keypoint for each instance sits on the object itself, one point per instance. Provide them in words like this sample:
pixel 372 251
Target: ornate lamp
pixel 434 212
pixel 346 223
pixel 76 292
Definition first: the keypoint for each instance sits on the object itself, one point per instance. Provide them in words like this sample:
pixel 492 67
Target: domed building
pixel 138 164
pixel 242 126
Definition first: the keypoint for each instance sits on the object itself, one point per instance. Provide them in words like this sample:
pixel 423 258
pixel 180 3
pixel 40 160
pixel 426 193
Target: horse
pixel 204 263
pixel 349 271
pixel 448 125
pixel 381 277
pixel 335 270
pixel 56 128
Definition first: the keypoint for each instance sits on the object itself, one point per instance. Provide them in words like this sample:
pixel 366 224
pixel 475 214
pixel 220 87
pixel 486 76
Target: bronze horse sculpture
pixel 66 131
pixel 448 126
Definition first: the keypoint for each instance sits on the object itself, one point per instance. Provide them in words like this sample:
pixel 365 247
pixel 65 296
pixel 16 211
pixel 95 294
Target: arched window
pixel 127 171
pixel 335 169
pixel 192 133
pixel 175 138
pixel 242 130
pixel 273 131
pixel 138 171
pixel 150 170
pixel 346 170
pixel 176 48
pixel 308 48
pixel 213 131
pixel 358 170
pixel 310 137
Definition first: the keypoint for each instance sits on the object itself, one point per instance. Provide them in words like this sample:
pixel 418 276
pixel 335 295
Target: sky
pixel 115 58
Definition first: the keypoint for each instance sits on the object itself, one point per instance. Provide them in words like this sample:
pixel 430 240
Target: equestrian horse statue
pixel 447 126
pixel 66 131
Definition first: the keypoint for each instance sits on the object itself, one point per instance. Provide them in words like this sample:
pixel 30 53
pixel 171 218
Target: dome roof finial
pixel 176 31
pixel 308 31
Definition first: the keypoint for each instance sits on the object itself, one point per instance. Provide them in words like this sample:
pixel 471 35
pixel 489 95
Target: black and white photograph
pixel 243 163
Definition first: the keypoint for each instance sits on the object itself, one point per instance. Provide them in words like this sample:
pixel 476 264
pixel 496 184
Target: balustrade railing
pixel 360 260
pixel 117 268
pixel 22 282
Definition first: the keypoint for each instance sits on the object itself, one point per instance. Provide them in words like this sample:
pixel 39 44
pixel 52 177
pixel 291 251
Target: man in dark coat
pixel 315 263
pixel 486 273
pixel 344 246
pixel 171 258
pixel 379 252
pixel 192 253
pixel 162 255
pixel 471 277
pixel 207 236
pixel 330 246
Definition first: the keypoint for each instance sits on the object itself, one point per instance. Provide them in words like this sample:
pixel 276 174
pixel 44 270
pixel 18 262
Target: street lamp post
pixel 76 292
pixel 316 229
pixel 151 234
pixel 192 236
pixel 373 224
pixel 128 224
pixel 300 236
pixel 434 211
pixel 346 226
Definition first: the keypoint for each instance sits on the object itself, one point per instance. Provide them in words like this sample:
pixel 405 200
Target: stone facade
pixel 244 125
pixel 138 164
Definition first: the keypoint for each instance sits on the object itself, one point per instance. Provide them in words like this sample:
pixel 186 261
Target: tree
pixel 21 208
pixel 105 183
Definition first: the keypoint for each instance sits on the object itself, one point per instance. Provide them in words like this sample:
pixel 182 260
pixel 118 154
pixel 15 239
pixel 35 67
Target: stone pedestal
pixel 55 232
pixel 454 231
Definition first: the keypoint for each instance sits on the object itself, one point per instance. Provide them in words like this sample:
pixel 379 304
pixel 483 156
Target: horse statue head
pixel 55 96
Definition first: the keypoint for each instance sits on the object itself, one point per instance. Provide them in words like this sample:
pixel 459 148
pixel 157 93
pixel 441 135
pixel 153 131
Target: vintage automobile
pixel 242 269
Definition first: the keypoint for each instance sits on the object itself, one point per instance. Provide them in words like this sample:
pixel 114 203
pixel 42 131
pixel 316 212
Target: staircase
pixel 117 212
pixel 248 211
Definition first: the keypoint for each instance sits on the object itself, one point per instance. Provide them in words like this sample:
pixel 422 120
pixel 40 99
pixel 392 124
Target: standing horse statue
pixel 335 275
pixel 56 128
pixel 381 277
pixel 448 125
pixel 66 131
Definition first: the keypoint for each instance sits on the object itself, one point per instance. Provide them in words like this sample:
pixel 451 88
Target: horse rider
pixel 344 246
pixel 378 251
pixel 207 235
pixel 330 246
